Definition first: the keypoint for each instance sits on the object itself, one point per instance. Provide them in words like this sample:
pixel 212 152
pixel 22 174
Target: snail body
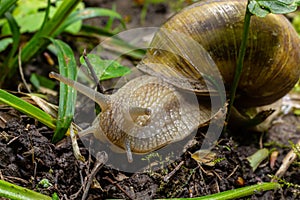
pixel 154 110
pixel 135 120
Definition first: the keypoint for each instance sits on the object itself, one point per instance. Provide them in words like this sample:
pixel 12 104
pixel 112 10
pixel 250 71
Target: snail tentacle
pixel 102 100
pixel 128 150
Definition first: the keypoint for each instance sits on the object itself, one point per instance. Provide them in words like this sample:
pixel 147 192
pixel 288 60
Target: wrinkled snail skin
pixel 148 113
pixel 271 65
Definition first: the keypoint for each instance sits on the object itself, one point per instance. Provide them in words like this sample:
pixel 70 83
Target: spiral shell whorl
pixel 271 66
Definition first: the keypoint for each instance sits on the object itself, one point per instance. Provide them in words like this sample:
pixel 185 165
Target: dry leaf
pixel 204 157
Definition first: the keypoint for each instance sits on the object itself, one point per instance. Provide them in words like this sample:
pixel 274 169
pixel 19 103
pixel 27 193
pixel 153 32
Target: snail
pixel 155 109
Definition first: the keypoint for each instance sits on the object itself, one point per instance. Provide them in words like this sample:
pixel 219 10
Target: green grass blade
pixel 90 30
pixel 47 11
pixel 88 13
pixel 67 95
pixel 5 5
pixel 242 192
pixel 16 35
pixel 109 23
pixel 240 62
pixel 238 193
pixel 125 47
pixel 39 41
pixel 11 191
pixel 26 108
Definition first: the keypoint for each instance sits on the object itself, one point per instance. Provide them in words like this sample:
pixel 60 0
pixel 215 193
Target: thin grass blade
pixel 67 97
pixel 89 13
pixel 47 11
pixel 16 35
pixel 12 191
pixel 238 193
pixel 27 108
pixel 5 5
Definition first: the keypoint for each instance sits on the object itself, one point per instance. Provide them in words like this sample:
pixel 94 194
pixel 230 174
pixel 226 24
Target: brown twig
pixel 92 71
pixel 12 140
pixel 1 175
pixel 101 160
pixel 286 162
pixel 168 176
pixel 13 179
pixel 234 170
pixel 118 186
pixel 21 71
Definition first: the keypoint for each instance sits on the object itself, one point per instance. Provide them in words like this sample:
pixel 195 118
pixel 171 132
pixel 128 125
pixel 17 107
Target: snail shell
pixel 271 65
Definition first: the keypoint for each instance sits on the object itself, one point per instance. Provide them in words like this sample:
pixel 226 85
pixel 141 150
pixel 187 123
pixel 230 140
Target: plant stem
pixel 238 193
pixel 11 191
pixel 240 61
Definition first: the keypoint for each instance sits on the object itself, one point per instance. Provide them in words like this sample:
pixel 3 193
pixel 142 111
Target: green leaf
pixel 255 9
pixel 74 28
pixel 5 29
pixel 4 43
pixel 29 7
pixel 297 112
pixel 296 23
pixel 12 191
pixel 27 108
pixel 114 70
pixel 257 158
pixel 31 23
pixel 32 14
pixel 45 183
pixel 261 8
pixel 67 97
pixel 106 69
pixel 55 196
pixel 279 7
pixel 38 81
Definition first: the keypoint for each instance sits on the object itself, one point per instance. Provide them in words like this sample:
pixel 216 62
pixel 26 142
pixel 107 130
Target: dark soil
pixel 27 155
